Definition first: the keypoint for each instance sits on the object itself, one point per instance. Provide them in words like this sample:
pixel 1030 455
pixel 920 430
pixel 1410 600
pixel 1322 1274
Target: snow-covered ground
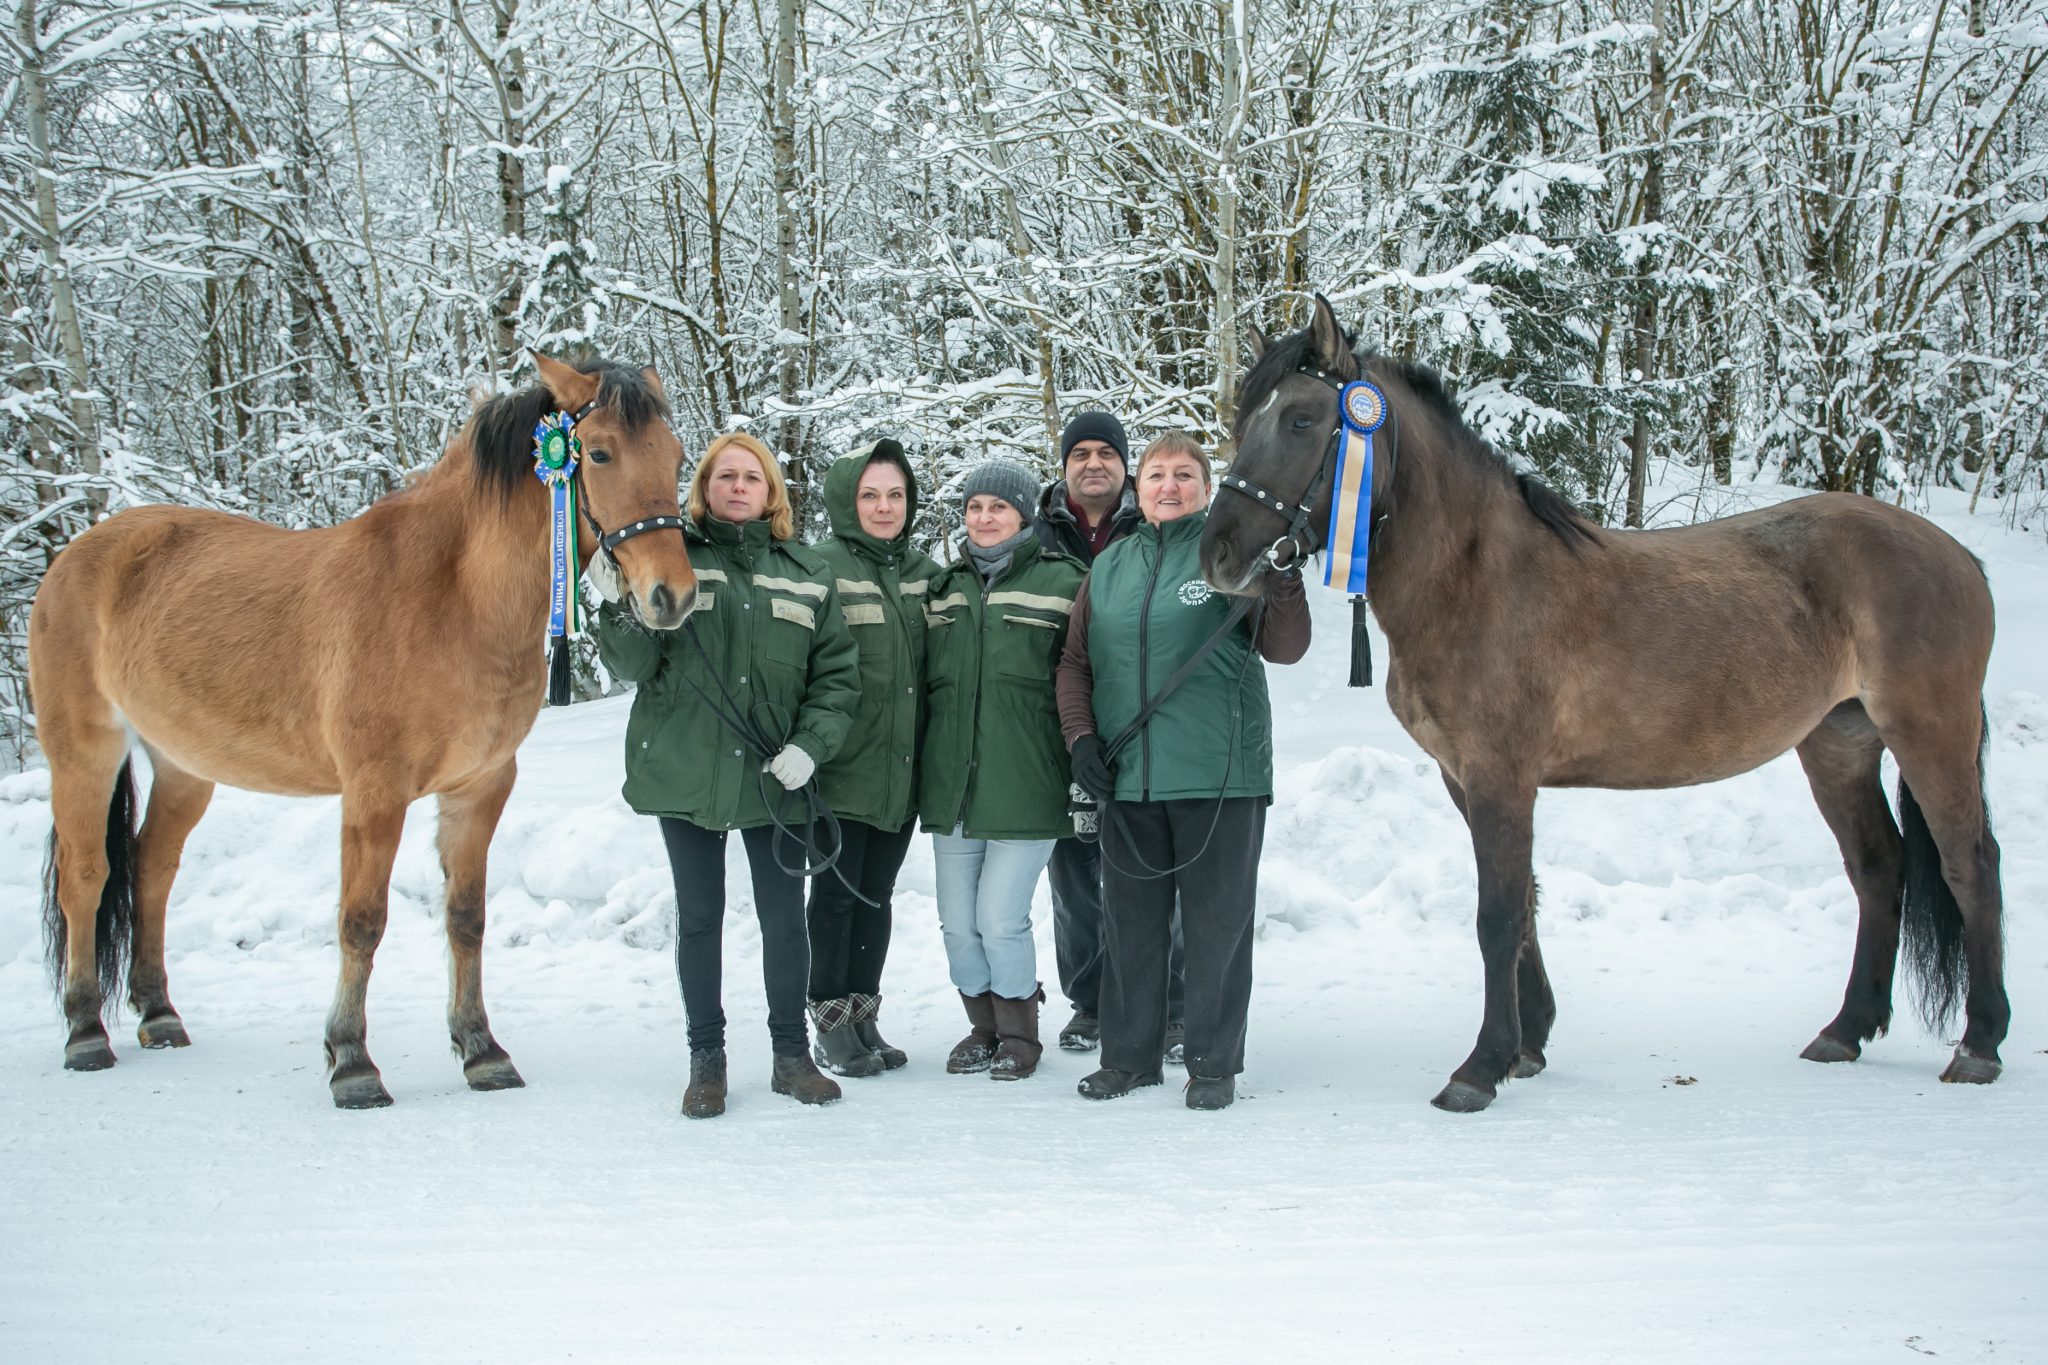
pixel 1679 1185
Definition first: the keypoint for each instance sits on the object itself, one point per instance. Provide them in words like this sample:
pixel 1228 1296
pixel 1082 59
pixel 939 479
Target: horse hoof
pixel 1826 1049
pixel 88 1054
pixel 1527 1064
pixel 496 1074
pixel 1462 1097
pixel 1968 1069
pixel 165 1030
pixel 363 1090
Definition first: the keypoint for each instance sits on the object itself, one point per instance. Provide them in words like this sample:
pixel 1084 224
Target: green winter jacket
pixel 1149 610
pixel 994 760
pixel 882 587
pixel 770 625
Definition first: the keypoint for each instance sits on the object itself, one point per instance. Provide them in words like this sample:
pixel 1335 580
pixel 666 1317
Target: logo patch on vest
pixel 1194 592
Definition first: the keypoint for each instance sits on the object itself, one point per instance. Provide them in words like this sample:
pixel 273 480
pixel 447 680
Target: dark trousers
pixel 1075 874
pixel 697 857
pixel 1217 893
pixel 850 940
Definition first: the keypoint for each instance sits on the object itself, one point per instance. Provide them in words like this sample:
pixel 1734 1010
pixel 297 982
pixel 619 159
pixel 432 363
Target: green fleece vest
pixel 1149 611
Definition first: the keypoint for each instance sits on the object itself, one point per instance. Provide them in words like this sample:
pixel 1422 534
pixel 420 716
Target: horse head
pixel 1285 431
pixel 629 475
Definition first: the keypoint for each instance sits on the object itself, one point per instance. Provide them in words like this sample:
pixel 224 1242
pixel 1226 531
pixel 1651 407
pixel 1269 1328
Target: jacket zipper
pixel 1144 691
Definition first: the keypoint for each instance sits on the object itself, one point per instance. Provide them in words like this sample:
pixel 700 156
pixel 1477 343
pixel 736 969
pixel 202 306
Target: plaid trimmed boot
pixel 839 1049
pixel 865 1008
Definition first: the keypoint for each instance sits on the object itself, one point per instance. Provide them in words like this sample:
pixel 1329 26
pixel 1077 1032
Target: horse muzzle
pixel 663 608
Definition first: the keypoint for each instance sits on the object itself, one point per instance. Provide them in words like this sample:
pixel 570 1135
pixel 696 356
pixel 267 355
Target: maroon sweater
pixel 1282 639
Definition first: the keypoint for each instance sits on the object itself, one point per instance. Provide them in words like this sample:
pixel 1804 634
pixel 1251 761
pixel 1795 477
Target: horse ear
pixel 570 386
pixel 653 382
pixel 1259 344
pixel 1327 335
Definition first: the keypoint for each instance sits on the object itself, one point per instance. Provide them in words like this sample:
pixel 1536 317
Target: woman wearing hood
pixel 871 784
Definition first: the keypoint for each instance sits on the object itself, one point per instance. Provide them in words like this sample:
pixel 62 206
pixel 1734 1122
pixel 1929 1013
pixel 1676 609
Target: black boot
pixel 705 1097
pixel 1082 1032
pixel 1018 1050
pixel 796 1076
pixel 839 1048
pixel 1211 1092
pixel 978 1048
pixel 865 1008
pixel 1111 1084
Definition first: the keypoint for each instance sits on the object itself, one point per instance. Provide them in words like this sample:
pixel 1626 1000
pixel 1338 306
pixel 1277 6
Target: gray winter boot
pixel 839 1048
pixel 865 1008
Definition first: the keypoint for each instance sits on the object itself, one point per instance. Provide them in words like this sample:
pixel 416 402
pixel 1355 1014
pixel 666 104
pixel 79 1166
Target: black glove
pixel 1092 772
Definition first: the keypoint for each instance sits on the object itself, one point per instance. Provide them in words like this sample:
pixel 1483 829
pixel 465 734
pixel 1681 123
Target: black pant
pixel 850 940
pixel 697 857
pixel 1076 878
pixel 1217 893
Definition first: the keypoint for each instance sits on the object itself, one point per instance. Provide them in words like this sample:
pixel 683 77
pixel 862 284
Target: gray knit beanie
pixel 1005 479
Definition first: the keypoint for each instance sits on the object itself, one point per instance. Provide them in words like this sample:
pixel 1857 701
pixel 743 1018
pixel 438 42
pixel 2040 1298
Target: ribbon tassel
pixel 1361 410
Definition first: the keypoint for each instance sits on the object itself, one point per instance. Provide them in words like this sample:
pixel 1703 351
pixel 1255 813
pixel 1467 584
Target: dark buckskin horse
pixel 395 656
pixel 1534 649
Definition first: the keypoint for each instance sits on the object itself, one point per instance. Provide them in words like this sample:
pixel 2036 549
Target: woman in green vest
pixel 992 788
pixel 767 633
pixel 871 783
pixel 1184 802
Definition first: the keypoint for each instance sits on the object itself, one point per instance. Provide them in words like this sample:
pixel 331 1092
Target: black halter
pixel 1295 540
pixel 608 542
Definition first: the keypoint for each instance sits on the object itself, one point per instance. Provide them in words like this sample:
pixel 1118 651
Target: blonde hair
pixel 781 520
pixel 1176 443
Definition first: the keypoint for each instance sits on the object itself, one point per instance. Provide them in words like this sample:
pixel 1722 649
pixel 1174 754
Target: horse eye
pixel 599 455
pixel 1304 423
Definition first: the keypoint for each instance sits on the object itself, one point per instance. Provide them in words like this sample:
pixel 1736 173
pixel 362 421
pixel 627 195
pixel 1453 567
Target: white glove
pixel 600 574
pixel 792 767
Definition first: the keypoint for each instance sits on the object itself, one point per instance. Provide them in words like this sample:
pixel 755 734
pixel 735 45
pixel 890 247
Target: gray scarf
pixel 993 561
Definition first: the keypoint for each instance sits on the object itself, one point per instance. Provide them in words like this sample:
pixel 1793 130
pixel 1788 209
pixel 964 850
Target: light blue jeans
pixel 985 888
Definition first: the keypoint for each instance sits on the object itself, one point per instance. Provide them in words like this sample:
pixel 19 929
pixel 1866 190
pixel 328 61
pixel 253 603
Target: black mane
pixel 501 432
pixel 1289 353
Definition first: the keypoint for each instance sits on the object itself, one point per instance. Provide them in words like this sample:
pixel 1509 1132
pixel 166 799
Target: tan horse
pixel 1532 649
pixel 388 658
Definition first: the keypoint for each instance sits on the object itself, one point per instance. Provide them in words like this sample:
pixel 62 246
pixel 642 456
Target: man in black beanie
pixel 1092 504
pixel 1081 514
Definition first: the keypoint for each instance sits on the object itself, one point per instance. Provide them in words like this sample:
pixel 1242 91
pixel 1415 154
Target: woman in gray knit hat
pixel 992 788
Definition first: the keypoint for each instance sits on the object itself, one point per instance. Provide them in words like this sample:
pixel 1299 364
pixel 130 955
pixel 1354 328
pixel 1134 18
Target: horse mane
pixel 1289 353
pixel 501 431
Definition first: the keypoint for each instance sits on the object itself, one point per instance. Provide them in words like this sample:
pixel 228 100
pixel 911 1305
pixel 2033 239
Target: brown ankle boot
pixel 797 1075
pixel 1017 1026
pixel 978 1048
pixel 705 1099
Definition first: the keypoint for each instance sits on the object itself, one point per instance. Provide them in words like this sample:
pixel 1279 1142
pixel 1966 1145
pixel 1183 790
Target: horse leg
pixel 1502 820
pixel 1537 1005
pixel 371 821
pixel 87 770
pixel 1941 798
pixel 1842 758
pixel 176 801
pixel 468 816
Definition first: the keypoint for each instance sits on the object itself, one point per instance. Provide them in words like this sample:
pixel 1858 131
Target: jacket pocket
pixel 786 634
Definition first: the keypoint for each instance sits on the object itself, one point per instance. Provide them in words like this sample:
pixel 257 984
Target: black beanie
pixel 1094 426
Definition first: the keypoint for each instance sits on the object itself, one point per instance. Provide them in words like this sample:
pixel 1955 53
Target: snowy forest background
pixel 255 254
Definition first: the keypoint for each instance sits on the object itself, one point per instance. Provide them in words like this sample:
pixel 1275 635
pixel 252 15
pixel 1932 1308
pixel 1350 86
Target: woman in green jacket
pixel 767 632
pixel 993 782
pixel 870 784
pixel 1185 800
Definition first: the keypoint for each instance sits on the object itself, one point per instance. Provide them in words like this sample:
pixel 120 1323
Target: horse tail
pixel 1930 921
pixel 114 925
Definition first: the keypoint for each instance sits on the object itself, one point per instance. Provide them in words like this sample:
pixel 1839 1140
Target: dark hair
pixel 501 432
